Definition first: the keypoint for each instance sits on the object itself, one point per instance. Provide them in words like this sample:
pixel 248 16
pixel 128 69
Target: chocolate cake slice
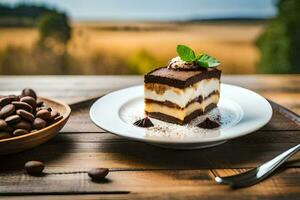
pixel 178 95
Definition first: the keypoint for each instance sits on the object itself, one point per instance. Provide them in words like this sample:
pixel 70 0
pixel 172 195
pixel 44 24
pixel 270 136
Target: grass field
pixel 231 42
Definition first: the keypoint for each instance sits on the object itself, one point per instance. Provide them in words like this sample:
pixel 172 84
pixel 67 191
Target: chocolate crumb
pixel 208 124
pixel 144 123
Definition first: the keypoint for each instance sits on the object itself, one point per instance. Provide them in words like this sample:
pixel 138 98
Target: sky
pixel 159 10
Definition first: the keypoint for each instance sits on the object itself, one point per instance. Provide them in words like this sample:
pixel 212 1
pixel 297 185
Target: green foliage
pixel 24 10
pixel 205 60
pixel 54 26
pixel 280 43
pixel 185 53
pixel 22 14
pixel 142 62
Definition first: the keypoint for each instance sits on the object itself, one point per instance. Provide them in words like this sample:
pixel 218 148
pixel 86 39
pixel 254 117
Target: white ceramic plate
pixel 241 112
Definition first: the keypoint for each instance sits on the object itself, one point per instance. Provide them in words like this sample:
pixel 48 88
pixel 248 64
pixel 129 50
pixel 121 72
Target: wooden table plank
pixel 187 184
pixel 73 152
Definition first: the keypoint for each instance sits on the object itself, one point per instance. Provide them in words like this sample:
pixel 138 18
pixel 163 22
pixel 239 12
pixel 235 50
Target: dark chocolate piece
pixel 208 124
pixel 144 123
pixel 180 79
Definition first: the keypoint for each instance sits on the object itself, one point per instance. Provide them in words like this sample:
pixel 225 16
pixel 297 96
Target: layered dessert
pixel 181 91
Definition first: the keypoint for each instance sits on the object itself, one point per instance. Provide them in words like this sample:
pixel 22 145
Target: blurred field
pixel 231 42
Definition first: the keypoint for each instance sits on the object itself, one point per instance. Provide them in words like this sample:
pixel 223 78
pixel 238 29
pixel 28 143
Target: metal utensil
pixel 256 175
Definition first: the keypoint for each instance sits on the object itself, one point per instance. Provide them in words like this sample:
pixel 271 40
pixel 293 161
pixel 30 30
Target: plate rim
pixel 202 141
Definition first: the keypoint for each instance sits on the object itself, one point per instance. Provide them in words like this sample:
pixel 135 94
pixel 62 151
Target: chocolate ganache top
pixel 180 78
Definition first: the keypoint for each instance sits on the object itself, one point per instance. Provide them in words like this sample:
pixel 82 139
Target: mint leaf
pixel 205 60
pixel 186 53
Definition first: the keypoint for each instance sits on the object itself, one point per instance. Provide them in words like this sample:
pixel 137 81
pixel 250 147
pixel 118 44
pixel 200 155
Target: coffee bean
pixel 25 115
pixel 12 119
pixel 34 167
pixel 54 114
pixel 4 101
pixel 43 114
pixel 22 105
pixel 13 97
pixel 98 173
pixel 19 132
pixel 4 135
pixel 39 123
pixel 28 92
pixel 3 124
pixel 44 108
pixel 31 101
pixel 7 110
pixel 23 125
pixel 56 119
pixel 39 103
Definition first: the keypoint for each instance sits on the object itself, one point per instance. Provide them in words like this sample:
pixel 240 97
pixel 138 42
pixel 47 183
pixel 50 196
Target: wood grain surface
pixel 142 171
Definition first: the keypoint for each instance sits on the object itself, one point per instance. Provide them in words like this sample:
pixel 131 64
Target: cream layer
pixel 182 97
pixel 181 113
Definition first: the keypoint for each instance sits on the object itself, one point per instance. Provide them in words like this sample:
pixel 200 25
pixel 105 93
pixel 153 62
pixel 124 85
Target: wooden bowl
pixel 30 140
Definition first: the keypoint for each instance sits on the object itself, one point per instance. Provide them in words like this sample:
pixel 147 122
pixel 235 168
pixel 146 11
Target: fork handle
pixel 256 175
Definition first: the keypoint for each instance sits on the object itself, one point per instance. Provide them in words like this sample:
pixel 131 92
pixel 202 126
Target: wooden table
pixel 142 171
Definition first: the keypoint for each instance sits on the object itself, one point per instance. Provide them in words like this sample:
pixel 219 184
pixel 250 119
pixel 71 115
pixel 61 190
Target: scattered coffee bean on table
pixel 25 113
pixel 34 167
pixel 98 173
